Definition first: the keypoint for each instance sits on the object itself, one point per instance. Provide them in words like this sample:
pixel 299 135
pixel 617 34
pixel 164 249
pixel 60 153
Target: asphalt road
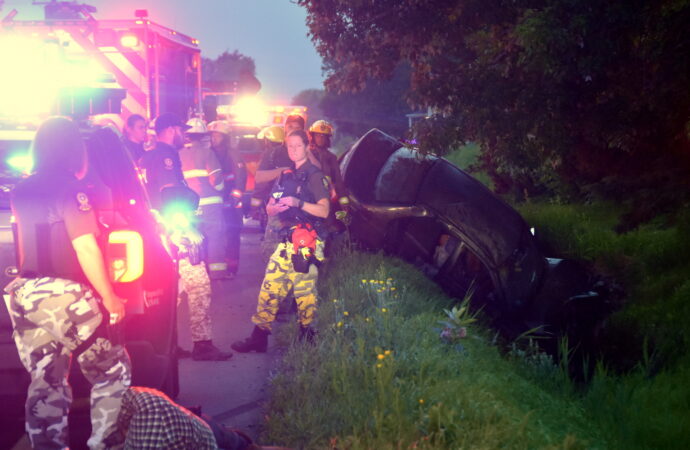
pixel 233 391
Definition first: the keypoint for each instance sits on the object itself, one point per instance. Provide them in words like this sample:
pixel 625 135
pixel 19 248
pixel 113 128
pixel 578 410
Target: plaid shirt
pixel 149 419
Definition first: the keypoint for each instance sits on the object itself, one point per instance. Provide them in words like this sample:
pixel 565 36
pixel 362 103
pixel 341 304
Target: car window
pixel 401 176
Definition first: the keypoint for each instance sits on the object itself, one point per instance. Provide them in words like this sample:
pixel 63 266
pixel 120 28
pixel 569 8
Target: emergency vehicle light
pixel 21 162
pixel 129 40
pixel 126 255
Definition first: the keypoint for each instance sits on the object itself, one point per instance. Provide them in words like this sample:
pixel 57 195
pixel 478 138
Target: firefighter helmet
pixel 274 134
pixel 219 126
pixel 196 125
pixel 322 127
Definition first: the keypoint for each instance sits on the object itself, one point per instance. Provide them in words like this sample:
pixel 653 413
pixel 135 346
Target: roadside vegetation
pixel 398 364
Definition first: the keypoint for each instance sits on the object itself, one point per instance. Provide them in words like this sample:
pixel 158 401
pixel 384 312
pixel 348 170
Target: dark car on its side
pixel 429 212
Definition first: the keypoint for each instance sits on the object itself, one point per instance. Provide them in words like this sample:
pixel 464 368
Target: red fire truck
pixel 70 62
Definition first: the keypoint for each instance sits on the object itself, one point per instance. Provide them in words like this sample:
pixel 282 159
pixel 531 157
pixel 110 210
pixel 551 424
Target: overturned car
pixel 432 214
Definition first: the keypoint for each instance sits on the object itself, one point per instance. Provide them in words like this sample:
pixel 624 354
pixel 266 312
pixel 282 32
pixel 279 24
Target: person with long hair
pixel 297 207
pixel 62 302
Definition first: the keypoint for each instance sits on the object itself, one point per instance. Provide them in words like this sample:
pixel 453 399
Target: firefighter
pixel 134 136
pixel 204 175
pixel 162 168
pixel 62 304
pixel 271 138
pixel 321 133
pixel 235 180
pixel 298 204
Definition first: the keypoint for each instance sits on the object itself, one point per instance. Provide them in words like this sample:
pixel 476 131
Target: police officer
pixel 298 204
pixel 204 175
pixel 235 181
pixel 271 139
pixel 162 168
pixel 62 302
pixel 134 136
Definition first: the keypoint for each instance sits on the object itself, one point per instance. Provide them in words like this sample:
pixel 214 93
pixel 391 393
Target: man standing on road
pixel 134 136
pixel 203 175
pixel 54 304
pixel 234 181
pixel 162 168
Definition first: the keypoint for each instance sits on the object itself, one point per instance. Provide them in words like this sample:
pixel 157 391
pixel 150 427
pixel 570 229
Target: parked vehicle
pixel 429 212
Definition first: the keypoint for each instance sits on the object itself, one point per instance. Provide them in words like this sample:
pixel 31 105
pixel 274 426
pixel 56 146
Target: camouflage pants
pixel 280 277
pixel 197 285
pixel 51 318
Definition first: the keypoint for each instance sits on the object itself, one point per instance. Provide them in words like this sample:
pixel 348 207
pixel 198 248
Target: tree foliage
pixel 577 97
pixel 230 71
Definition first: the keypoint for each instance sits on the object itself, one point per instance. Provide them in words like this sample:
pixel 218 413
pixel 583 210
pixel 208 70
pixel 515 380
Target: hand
pixel 274 207
pixel 116 307
pixel 289 201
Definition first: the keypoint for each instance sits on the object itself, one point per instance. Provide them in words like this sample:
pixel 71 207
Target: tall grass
pixel 380 377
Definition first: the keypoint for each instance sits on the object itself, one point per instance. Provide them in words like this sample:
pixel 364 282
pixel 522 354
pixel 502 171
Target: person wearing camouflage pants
pixel 52 319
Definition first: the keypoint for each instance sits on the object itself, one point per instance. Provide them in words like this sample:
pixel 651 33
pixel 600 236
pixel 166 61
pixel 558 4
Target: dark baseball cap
pixel 167 120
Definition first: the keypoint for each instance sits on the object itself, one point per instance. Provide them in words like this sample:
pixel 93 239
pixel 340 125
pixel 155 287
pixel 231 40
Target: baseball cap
pixel 167 120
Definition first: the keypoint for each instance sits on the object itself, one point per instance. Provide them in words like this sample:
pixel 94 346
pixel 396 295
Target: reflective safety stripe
pixel 230 177
pixel 210 200
pixel 220 186
pixel 236 193
pixel 217 266
pixel 195 173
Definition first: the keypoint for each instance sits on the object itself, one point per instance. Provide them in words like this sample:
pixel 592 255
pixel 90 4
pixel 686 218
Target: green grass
pixel 425 393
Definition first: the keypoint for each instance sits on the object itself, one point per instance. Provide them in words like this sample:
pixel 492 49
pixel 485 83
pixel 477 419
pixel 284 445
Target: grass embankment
pixel 380 376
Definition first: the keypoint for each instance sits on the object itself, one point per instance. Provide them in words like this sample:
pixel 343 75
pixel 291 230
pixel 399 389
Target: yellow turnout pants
pixel 280 277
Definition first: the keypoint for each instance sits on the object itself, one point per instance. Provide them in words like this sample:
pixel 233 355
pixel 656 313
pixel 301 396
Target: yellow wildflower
pixel 387 352
pixel 384 310
pixel 340 324
pixel 380 356
pixel 392 289
pixel 366 319
pixel 364 281
pixel 372 281
pixel 379 365
pixel 421 401
pixel 345 313
pixel 335 300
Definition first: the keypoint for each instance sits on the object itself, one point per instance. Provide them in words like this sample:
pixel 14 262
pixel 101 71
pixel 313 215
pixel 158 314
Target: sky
pixel 272 32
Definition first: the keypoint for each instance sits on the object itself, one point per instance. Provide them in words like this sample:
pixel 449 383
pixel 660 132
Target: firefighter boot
pixel 257 342
pixel 307 334
pixel 206 351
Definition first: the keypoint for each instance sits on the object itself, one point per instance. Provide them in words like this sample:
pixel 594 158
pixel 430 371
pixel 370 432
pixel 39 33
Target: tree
pixel 230 72
pixel 311 98
pixel 567 96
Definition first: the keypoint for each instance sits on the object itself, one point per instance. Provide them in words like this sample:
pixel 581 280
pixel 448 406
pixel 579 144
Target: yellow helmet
pixel 322 127
pixel 274 133
pixel 219 126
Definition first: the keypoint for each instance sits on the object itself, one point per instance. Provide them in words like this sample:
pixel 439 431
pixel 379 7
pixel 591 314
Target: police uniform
pixel 310 186
pixel 199 162
pixel 55 312
pixel 234 184
pixel 162 168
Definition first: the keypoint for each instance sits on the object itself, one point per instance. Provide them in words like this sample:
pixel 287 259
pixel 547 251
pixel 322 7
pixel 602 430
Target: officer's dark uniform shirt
pixel 136 151
pixel 162 168
pixel 50 212
pixel 316 189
